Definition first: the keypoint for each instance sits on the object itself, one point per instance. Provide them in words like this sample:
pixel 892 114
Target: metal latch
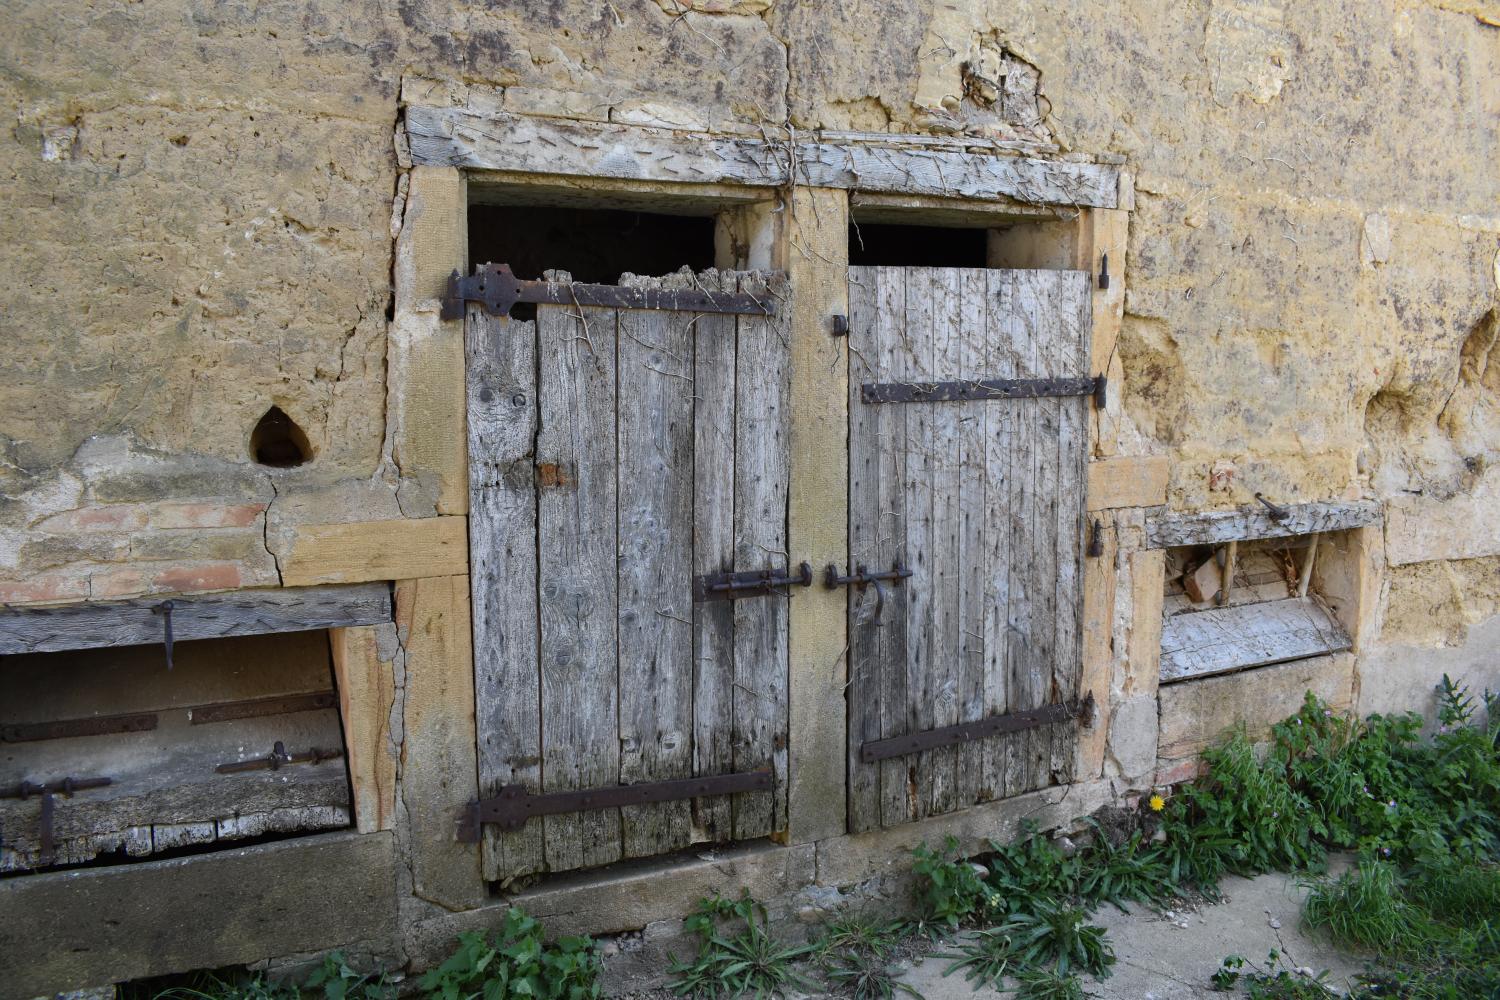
pixel 496 287
pixel 67 786
pixel 514 805
pixel 862 578
pixel 750 583
pixel 278 757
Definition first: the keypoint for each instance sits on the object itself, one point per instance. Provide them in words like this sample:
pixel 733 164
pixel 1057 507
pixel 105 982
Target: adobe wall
pixel 211 209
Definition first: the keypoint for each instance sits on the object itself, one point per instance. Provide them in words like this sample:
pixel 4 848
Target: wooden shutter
pixel 984 502
pixel 614 455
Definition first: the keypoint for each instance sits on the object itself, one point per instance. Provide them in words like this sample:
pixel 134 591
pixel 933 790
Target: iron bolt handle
pixel 165 610
pixel 1274 512
pixel 862 578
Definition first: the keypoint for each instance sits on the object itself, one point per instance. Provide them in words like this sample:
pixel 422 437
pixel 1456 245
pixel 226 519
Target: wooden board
pixel 1201 643
pixel 460 138
pixel 1132 481
pixel 500 377
pixel 984 502
pixel 661 444
pixel 1170 529
pixel 209 616
pixel 403 549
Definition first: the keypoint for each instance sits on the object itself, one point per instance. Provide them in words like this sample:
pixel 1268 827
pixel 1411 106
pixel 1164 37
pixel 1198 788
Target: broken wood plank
pixel 457 137
pixel 1246 523
pixel 501 358
pixel 207 616
pixel 1200 643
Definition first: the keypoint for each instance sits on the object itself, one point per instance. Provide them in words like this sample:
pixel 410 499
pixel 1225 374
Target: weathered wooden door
pixel 615 455
pixel 969 438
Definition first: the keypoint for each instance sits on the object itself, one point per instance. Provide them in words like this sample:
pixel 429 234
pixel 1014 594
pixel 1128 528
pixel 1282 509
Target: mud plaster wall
pixel 204 198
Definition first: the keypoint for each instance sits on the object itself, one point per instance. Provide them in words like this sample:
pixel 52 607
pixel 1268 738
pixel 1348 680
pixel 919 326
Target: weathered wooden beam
pixel 1166 530
pixel 1128 481
pixel 457 137
pixel 413 548
pixel 209 616
pixel 1199 643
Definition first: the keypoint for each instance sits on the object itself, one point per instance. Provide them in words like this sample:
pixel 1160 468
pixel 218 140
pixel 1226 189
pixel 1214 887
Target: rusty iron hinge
pixel 971 390
pixel 496 287
pixel 964 732
pixel 514 805
pixel 62 729
pixel 278 757
pixel 749 583
pixel 254 708
pixel 47 848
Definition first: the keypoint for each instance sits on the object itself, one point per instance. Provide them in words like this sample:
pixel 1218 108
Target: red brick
pixel 198 576
pixel 61 585
pixel 124 581
pixel 115 517
pixel 204 515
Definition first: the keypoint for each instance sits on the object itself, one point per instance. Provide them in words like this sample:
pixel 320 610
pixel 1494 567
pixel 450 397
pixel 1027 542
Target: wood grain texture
pixel 1128 481
pixel 500 386
pixel 1200 643
pixel 1168 529
pixel 367 697
pixel 986 502
pixel 577 576
pixel 714 459
pixel 655 489
pixel 402 549
pixel 208 616
pixel 762 465
pixel 457 137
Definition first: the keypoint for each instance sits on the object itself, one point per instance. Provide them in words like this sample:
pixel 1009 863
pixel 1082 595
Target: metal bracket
pixel 496 287
pixel 514 805
pixel 47 848
pixel 277 757
pixel 165 610
pixel 62 729
pixel 1275 513
pixel 862 578
pixel 751 583
pixel 971 390
pixel 964 732
pixel 254 708
pixel 1104 270
pixel 1096 540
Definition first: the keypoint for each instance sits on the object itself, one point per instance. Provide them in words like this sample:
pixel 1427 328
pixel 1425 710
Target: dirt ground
pixel 1170 956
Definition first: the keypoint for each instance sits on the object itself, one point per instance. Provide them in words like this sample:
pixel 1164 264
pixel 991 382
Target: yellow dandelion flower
pixel 1157 803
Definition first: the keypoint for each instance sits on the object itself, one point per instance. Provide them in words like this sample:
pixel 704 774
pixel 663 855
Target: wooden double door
pixel 622 460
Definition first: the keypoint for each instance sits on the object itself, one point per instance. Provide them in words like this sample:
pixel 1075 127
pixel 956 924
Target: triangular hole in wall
pixel 277 441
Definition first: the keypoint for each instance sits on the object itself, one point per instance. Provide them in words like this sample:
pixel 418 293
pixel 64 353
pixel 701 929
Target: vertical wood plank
pixel 944 668
pixel 972 544
pixel 501 392
pixel 1021 649
pixel 999 464
pixel 1072 312
pixel 1037 309
pixel 576 501
pixel 917 354
pixel 762 464
pixel 655 484
pixel 866 458
pixel 892 358
pixel 713 552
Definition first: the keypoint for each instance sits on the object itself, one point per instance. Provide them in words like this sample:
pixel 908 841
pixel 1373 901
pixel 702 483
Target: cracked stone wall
pixel 204 197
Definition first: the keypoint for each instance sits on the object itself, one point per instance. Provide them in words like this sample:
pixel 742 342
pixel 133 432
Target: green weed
pixel 1366 908
pixel 517 962
pixel 1276 980
pixel 1045 984
pixel 737 955
pixel 952 889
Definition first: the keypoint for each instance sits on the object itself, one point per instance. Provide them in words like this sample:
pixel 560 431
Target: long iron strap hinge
pixel 964 732
pixel 496 287
pixel 974 390
pixel 514 805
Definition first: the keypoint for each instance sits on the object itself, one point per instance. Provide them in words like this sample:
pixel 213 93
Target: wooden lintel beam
pixel 207 616
pixel 456 137
pixel 1215 527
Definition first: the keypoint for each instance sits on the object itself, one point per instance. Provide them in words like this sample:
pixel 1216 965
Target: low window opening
pixel 278 442
pixel 1245 604
pixel 164 762
pixel 594 245
pixel 886 245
